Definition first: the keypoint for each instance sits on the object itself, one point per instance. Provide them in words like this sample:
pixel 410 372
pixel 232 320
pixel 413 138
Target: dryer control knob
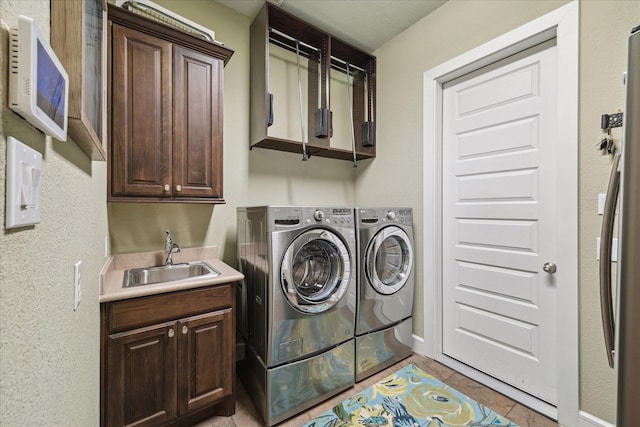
pixel 318 215
pixel 391 215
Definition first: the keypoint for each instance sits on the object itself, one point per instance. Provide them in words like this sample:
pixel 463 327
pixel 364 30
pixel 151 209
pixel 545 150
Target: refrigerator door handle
pixel 606 241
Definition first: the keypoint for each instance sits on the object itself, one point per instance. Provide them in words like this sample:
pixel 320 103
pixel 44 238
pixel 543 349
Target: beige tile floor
pixel 247 416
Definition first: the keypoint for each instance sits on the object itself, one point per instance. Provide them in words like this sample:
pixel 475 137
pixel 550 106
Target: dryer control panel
pixel 380 216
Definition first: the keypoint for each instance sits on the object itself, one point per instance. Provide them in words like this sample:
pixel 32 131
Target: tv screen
pixel 51 87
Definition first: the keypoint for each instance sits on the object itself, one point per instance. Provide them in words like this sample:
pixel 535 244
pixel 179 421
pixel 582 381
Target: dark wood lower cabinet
pixel 142 376
pixel 168 360
pixel 204 339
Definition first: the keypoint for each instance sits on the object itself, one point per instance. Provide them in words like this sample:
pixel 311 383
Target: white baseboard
pixel 419 345
pixel 587 420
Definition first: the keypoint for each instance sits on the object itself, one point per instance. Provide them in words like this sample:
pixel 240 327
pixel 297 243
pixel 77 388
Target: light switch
pixel 24 173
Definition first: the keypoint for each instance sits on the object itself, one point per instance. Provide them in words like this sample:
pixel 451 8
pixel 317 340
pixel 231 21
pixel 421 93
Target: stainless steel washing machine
pixel 384 240
pixel 297 309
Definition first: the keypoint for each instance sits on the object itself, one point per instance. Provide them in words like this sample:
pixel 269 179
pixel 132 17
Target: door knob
pixel 549 267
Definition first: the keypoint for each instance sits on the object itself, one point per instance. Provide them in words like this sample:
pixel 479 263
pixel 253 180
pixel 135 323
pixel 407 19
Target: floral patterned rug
pixel 409 398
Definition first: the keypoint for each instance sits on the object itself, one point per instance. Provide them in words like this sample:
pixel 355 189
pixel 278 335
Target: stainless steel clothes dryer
pixel 298 309
pixel 384 240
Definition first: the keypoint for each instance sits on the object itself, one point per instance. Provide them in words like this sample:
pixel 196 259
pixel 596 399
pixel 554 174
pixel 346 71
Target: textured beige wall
pixel 49 353
pixel 251 177
pixel 604 31
pixel 453 29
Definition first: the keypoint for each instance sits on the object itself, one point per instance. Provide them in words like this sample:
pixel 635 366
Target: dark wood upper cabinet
pixel 311 93
pixel 197 110
pixel 165 93
pixel 141 112
pixel 78 36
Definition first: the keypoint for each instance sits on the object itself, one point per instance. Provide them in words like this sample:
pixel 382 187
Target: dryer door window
pixel 389 260
pixel 315 271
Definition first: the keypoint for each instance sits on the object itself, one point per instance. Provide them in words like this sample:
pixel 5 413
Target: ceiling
pixel 366 24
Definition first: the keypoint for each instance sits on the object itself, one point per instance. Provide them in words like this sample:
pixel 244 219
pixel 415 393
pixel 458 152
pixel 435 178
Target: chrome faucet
pixel 171 248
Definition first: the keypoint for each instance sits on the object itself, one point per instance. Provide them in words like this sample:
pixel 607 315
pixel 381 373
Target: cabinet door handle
pixel 167 187
pixel 185 329
pixel 171 333
pixel 178 187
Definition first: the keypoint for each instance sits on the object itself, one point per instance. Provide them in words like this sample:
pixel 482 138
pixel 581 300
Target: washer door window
pixel 315 271
pixel 389 260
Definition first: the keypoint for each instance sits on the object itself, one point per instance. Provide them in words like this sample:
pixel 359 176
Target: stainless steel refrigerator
pixel 622 335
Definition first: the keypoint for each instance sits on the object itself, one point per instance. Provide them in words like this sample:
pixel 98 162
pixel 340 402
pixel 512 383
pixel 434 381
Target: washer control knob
pixel 391 215
pixel 318 215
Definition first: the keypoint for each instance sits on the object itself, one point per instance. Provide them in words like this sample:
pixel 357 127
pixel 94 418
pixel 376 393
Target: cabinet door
pixel 141 387
pixel 205 359
pixel 141 103
pixel 197 142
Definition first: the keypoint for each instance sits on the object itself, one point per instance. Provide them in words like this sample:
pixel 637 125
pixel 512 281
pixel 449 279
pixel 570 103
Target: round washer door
pixel 315 271
pixel 389 260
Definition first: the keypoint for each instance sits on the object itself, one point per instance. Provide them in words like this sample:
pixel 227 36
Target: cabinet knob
pixel 178 187
pixel 185 329
pixel 171 333
pixel 167 187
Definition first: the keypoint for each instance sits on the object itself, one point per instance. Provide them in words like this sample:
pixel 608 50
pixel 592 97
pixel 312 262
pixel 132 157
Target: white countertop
pixel 112 274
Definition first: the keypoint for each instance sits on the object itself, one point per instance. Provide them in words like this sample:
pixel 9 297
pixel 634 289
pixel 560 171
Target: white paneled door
pixel 499 221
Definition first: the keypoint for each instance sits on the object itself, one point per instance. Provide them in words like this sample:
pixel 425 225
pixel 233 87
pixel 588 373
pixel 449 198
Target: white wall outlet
pixel 614 249
pixel 77 281
pixel 106 246
pixel 601 199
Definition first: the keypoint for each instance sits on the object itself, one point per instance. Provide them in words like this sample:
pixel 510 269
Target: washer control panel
pixel 405 216
pixel 286 217
pixel 338 217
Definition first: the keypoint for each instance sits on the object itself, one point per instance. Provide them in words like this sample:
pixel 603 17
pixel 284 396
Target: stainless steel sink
pixel 167 273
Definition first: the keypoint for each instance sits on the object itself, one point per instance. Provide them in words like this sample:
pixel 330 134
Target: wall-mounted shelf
pixel 302 80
